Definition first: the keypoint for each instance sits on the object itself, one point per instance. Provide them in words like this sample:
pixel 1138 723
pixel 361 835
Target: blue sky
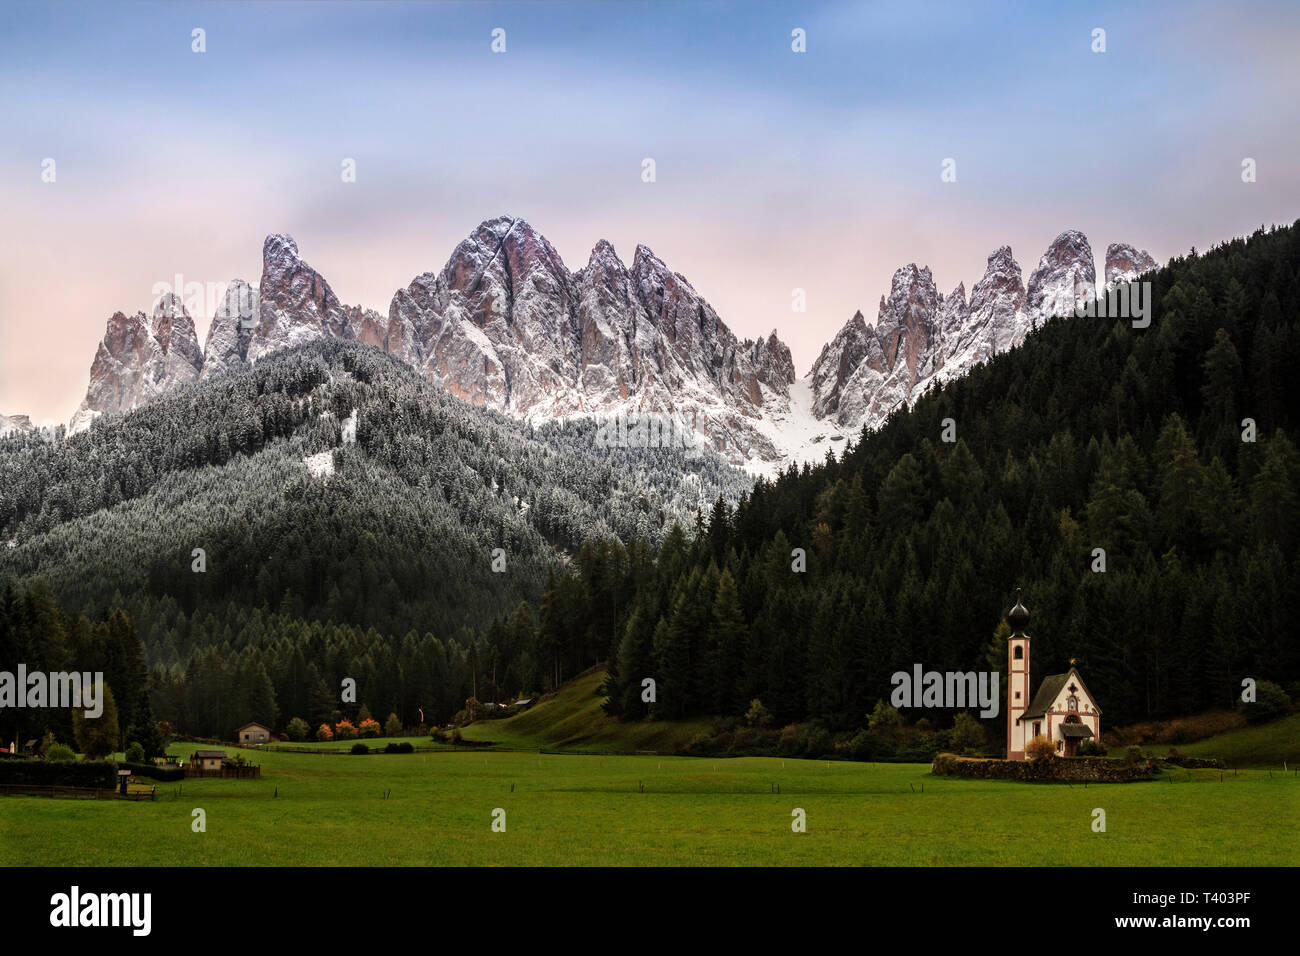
pixel 774 170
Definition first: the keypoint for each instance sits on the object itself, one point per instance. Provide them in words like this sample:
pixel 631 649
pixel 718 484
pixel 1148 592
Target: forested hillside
pixel 1093 435
pixel 344 508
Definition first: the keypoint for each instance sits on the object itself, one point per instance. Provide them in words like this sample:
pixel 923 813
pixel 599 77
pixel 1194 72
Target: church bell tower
pixel 1017 679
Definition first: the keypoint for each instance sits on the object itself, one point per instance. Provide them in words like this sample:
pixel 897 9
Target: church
pixel 1063 710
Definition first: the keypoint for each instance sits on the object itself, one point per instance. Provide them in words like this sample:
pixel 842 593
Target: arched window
pixel 1019 653
pixel 1074 704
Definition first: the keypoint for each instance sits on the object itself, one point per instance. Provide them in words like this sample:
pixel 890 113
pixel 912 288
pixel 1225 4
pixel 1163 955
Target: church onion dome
pixel 1018 617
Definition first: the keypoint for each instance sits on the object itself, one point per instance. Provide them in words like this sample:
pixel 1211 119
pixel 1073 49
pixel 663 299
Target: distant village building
pixel 1063 710
pixel 206 760
pixel 253 734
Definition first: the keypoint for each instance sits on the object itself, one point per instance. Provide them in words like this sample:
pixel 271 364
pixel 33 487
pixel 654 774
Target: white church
pixel 1063 710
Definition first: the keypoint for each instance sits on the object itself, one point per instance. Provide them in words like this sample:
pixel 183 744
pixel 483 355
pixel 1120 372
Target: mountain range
pixel 507 326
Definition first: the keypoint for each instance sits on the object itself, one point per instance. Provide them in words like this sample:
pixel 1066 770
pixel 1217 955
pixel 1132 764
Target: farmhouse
pixel 253 734
pixel 207 759
pixel 1063 710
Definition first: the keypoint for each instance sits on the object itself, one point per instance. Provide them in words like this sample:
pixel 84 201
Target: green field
pixel 1268 745
pixel 573 719
pixel 331 810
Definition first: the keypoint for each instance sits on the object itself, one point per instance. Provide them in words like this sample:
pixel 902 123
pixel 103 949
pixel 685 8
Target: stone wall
pixel 1071 769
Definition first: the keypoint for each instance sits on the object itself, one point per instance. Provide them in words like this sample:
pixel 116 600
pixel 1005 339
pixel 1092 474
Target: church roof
pixel 1047 692
pixel 1076 731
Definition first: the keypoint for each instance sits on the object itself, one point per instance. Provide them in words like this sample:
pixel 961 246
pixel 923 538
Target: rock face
pixel 231 330
pixel 296 304
pixel 505 324
pixel 864 373
pixel 1125 263
pixel 140 358
pixel 1064 280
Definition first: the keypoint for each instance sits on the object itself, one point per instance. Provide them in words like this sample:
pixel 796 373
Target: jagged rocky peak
pixel 1124 263
pixel 906 323
pixel 296 304
pixel 609 313
pixel 173 329
pixel 1065 278
pixel 237 315
pixel 998 316
pixel 837 361
pixel 139 358
pixel 773 362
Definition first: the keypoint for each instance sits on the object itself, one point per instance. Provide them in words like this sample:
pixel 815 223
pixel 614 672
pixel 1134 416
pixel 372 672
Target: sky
pixel 775 170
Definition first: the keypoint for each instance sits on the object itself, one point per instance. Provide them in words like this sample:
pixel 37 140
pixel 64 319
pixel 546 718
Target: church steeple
pixel 1018 617
pixel 1017 679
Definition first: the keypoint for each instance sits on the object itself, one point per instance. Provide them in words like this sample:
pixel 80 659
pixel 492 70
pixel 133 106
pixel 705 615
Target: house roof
pixel 209 753
pixel 254 724
pixel 1076 731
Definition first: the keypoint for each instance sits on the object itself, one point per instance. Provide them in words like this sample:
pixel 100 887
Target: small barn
pixel 206 760
pixel 253 734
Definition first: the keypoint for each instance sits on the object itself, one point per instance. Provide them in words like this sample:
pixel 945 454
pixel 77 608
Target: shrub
pixel 134 753
pixel 1271 702
pixel 404 747
pixel 790 740
pixel 369 728
pixel 884 719
pixel 324 732
pixel 59 773
pixel 392 726
pixel 59 752
pixel 968 734
pixel 860 746
pixel 1133 756
pixel 1040 748
pixel 757 715
pixel 360 748
pixel 298 729
pixel 1091 748
pixel 817 742
pixel 345 730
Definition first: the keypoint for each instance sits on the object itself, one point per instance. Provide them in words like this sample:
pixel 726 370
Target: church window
pixel 1074 704
pixel 1019 654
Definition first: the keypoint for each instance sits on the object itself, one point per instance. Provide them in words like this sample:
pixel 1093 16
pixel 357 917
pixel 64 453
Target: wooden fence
pixel 235 772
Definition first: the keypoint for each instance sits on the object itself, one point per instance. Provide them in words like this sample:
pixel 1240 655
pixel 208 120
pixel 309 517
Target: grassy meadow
pixel 436 809
pixel 611 805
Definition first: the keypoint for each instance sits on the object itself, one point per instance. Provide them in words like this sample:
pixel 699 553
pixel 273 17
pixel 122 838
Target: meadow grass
pixel 573 719
pixel 589 810
pixel 1265 745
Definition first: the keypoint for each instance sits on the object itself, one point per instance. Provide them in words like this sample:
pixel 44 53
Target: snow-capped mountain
pixel 921 337
pixel 1125 264
pixel 1065 278
pixel 140 358
pixel 505 325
